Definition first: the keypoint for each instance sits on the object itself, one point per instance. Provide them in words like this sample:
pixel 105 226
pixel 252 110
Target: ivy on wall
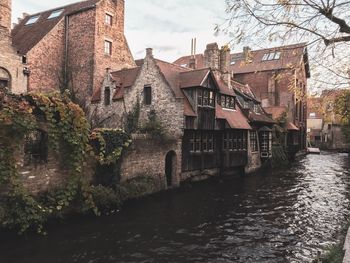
pixel 69 137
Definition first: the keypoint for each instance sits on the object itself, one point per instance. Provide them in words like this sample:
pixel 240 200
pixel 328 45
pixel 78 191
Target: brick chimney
pixel 5 15
pixel 246 51
pixel 212 56
pixel 149 52
pixel 225 59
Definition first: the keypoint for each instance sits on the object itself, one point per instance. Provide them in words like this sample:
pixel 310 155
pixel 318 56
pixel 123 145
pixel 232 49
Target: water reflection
pixel 287 216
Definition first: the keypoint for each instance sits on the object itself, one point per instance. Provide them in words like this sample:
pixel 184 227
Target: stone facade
pixel 12 71
pixel 146 155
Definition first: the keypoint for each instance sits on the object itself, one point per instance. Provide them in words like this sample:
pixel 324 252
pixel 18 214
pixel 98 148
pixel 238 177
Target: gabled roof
pixel 234 118
pixel 194 78
pixel 291 57
pixel 25 37
pixel 125 77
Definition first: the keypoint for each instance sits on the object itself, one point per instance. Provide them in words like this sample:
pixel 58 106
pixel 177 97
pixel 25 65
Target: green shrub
pixel 105 198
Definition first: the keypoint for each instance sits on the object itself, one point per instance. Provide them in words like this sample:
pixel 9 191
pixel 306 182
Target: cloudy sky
pixel 165 25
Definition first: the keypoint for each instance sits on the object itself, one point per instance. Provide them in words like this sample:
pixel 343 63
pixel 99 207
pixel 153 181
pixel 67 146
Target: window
pixel 253 141
pixel 197 146
pixel 107 96
pixel 256 108
pixel 108 47
pixel 192 142
pixel 24 60
pixel 36 148
pixel 275 55
pixel 245 105
pixel 147 95
pixel 108 19
pixel 5 79
pixel 55 14
pixel 312 114
pixel 227 102
pixel 205 98
pixel 235 140
pixel 32 20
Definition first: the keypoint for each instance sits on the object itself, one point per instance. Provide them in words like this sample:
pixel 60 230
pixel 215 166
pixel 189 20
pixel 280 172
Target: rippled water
pixel 287 216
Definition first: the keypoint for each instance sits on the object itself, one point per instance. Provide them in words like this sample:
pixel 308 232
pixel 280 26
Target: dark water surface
pixel 288 216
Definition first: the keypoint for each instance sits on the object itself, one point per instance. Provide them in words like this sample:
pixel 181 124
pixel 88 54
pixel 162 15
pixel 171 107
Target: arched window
pixel 5 79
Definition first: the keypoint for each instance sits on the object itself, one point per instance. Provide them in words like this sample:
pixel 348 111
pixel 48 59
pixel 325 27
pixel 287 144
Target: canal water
pixel 286 216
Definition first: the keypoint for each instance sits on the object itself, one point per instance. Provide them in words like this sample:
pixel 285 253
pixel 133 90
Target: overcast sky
pixel 165 25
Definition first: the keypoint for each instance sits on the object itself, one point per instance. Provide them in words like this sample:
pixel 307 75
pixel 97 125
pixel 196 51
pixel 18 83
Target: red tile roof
pixel 291 127
pixel 234 118
pixel 185 61
pixel 125 77
pixel 25 37
pixel 276 111
pixel 193 78
pixel 291 57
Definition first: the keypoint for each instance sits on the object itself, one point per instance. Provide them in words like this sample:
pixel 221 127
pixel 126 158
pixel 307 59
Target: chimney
pixel 225 59
pixel 193 62
pixel 212 56
pixel 149 52
pixel 5 14
pixel 19 20
pixel 24 15
pixel 246 52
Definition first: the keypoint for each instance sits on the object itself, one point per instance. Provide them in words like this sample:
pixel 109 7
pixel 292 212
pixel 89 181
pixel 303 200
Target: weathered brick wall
pixel 121 56
pixel 80 57
pixel 5 14
pixel 11 66
pixel 146 157
pixel 43 177
pixel 45 61
pixel 11 63
pixel 254 161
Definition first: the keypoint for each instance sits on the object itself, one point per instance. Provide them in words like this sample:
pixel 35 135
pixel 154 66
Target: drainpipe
pixel 66 24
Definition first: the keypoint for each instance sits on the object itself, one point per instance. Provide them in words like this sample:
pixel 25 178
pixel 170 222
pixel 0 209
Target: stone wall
pixel 146 154
pixel 11 67
pixel 146 157
pixel 11 64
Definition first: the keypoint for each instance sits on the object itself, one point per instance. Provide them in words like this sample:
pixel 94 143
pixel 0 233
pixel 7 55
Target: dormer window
pixel 55 14
pixel 275 55
pixel 32 20
pixel 205 98
pixel 228 102
pixel 108 19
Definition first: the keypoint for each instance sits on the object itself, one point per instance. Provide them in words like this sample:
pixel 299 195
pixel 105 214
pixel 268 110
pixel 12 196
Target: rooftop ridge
pixel 62 7
pixel 291 46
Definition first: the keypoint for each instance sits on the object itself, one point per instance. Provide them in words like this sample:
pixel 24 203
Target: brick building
pixel 13 72
pixel 325 126
pixel 71 46
pixel 278 78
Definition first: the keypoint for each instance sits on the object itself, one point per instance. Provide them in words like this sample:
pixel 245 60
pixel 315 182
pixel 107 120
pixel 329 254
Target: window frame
pixel 108 47
pixel 55 14
pixel 32 20
pixel 108 19
pixel 147 95
pixel 107 96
